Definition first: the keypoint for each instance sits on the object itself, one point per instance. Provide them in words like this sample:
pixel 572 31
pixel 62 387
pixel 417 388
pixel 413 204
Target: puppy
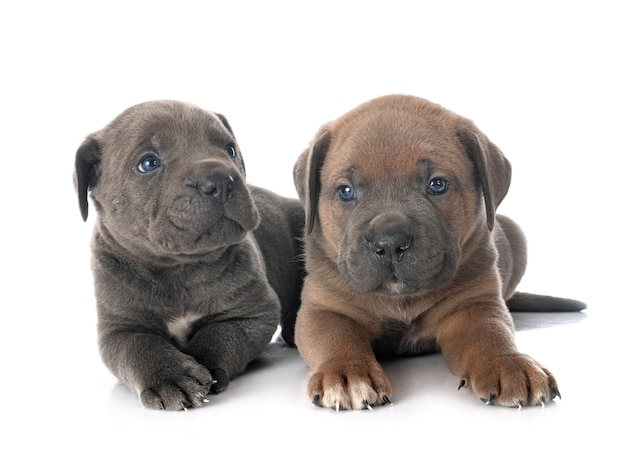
pixel 405 255
pixel 190 264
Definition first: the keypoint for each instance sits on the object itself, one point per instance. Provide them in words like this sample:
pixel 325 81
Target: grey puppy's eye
pixel 230 150
pixel 149 163
pixel 346 193
pixel 438 185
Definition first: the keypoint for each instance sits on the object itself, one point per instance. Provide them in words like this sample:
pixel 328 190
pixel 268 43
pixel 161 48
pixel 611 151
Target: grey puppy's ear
pixel 86 171
pixel 225 123
pixel 492 168
pixel 306 175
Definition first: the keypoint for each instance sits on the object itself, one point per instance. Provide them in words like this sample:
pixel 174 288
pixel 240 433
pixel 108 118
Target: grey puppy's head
pixel 167 180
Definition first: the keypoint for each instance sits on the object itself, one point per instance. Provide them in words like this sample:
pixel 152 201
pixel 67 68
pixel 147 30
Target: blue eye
pixel 346 193
pixel 438 185
pixel 230 150
pixel 149 164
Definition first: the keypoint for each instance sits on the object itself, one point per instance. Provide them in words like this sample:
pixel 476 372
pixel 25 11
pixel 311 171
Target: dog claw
pixel 201 397
pixel 366 405
pixel 461 384
pixel 489 400
pixel 386 400
pixel 542 402
pixel 337 405
pixel 555 393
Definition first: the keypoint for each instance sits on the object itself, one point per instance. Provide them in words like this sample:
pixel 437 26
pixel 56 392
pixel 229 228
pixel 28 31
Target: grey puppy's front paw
pixel 180 390
pixel 220 380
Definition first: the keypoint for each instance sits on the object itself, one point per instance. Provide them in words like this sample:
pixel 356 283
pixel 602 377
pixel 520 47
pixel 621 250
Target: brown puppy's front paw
pixel 349 385
pixel 512 380
pixel 178 391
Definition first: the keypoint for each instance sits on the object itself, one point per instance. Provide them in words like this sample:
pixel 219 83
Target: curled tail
pixel 528 302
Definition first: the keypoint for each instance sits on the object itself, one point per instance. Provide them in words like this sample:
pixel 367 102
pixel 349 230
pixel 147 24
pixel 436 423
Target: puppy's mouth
pixel 396 286
pixel 192 229
pixel 407 278
pixel 360 276
pixel 197 238
pixel 225 233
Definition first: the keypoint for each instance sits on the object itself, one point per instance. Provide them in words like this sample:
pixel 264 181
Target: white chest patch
pixel 179 327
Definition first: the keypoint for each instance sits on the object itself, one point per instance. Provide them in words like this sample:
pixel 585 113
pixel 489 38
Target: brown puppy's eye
pixel 346 193
pixel 230 150
pixel 438 185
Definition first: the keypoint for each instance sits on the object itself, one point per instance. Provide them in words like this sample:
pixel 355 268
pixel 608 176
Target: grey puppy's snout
pixel 213 181
pixel 217 186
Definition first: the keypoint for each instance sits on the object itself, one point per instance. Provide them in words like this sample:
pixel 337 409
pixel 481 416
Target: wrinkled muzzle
pixel 213 209
pixel 396 254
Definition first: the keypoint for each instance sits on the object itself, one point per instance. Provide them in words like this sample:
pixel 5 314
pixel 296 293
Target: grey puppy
pixel 191 265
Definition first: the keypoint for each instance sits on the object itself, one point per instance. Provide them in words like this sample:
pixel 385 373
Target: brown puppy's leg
pixel 478 342
pixel 345 372
pixel 478 346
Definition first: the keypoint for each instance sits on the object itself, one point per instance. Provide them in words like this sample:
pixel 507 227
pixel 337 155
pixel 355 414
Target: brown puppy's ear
pixel 492 167
pixel 306 175
pixel 87 171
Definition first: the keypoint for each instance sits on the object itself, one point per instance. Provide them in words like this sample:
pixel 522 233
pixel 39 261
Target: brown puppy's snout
pixel 218 186
pixel 391 247
pixel 388 238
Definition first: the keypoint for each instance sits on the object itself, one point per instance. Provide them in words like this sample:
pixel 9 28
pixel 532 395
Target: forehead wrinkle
pixel 392 162
pixel 342 173
pixel 156 141
pixel 425 169
pixel 188 134
pixel 220 139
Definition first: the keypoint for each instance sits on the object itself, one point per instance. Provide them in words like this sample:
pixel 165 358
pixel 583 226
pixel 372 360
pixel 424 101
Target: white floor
pixel 69 399
pixel 544 80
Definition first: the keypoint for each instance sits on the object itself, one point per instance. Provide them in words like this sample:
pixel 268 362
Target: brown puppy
pixel 189 261
pixel 405 255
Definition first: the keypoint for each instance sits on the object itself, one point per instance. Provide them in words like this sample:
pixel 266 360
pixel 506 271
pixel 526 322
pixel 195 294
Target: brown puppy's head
pixel 394 189
pixel 167 180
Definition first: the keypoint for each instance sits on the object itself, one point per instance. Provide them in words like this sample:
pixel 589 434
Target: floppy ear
pixel 492 168
pixel 87 171
pixel 306 175
pixel 225 123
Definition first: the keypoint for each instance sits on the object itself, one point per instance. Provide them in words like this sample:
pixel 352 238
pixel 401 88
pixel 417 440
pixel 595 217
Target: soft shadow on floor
pixel 528 321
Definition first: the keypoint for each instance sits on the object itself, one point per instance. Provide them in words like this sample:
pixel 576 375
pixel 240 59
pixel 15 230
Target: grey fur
pixel 190 264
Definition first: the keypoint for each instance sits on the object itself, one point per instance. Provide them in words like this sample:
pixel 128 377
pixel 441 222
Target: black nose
pixel 391 247
pixel 217 186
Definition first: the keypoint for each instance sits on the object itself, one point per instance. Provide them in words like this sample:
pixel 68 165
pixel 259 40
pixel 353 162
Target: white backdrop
pixel 543 79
